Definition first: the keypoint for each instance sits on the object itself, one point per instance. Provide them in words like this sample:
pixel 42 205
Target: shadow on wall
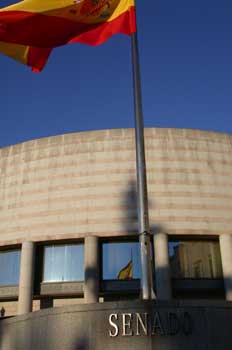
pixel 1 334
pixel 92 283
pixel 129 203
pixel 46 303
pixel 82 343
pixel 32 336
pixel 161 275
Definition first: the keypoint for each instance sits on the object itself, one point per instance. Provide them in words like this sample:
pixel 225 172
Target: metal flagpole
pixel 142 201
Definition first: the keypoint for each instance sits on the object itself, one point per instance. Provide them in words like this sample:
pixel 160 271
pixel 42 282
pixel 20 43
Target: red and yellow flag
pixel 127 272
pixel 31 28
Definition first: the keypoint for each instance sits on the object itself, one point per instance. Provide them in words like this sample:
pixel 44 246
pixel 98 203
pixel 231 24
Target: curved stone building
pixel 68 235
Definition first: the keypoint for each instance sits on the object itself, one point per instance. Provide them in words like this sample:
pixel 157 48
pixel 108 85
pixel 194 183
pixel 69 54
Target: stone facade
pixel 82 187
pixel 74 185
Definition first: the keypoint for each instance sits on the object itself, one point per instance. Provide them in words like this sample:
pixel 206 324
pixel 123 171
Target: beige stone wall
pixel 54 303
pixel 36 305
pixel 80 184
pixel 66 302
pixel 10 307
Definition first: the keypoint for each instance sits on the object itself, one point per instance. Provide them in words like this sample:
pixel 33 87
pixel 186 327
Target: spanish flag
pixel 30 29
pixel 127 272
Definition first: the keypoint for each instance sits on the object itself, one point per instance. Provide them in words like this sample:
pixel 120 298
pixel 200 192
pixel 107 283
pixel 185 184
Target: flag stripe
pixel 31 56
pixel 37 58
pixel 39 5
pixel 35 29
pixel 15 51
pixel 82 10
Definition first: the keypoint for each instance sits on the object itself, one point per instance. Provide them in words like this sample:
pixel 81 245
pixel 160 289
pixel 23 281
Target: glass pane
pixel 9 267
pixel 64 263
pixel 195 259
pixel 121 261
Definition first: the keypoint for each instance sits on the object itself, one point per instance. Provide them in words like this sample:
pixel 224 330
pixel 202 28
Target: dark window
pixel 195 259
pixel 121 260
pixel 9 267
pixel 63 263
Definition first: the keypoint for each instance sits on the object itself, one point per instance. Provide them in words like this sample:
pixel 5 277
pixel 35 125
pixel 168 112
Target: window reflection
pixel 9 267
pixel 195 259
pixel 121 261
pixel 63 263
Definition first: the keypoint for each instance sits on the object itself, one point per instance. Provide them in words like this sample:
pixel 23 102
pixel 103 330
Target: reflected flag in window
pixel 127 272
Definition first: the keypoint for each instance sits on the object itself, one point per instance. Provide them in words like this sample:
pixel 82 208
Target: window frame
pixel 61 243
pixel 114 288
pixel 10 291
pixel 195 288
pixel 9 249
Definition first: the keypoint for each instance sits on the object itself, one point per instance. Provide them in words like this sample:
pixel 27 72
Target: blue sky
pixel 186 69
